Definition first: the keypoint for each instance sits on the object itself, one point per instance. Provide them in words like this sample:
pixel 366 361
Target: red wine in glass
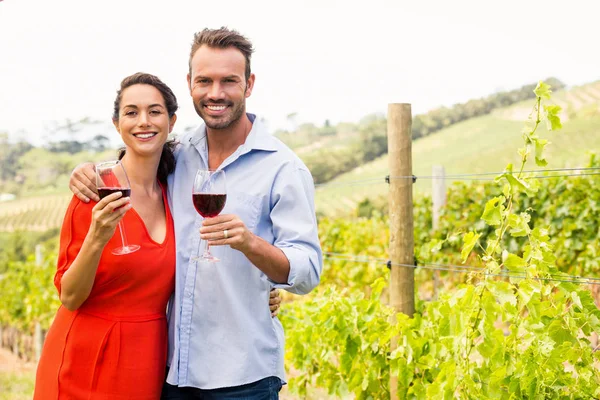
pixel 209 195
pixel 209 205
pixel 111 178
pixel 105 191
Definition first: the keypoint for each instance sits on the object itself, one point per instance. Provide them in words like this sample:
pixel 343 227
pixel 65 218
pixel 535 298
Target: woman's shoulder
pixel 78 209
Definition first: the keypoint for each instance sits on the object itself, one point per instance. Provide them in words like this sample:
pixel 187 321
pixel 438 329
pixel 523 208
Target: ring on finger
pixel 225 234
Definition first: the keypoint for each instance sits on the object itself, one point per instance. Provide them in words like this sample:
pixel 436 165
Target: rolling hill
pixel 482 144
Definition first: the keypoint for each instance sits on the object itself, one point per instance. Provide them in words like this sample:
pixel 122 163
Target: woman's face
pixel 144 122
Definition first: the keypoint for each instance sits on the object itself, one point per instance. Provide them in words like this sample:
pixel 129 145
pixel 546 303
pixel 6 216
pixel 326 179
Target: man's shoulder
pixel 283 153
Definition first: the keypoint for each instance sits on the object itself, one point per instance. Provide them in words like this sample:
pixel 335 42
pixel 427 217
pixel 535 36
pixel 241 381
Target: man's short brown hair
pixel 222 38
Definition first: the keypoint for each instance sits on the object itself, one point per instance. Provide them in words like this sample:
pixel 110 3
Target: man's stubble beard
pixel 237 113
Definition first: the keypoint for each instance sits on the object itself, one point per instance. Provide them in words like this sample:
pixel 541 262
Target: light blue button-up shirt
pixel 221 332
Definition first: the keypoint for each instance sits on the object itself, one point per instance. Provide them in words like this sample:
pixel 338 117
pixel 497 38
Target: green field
pixel 34 214
pixel 482 144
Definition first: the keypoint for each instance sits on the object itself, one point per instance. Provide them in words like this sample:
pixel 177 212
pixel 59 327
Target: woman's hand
pixel 274 302
pixel 77 282
pixel 106 215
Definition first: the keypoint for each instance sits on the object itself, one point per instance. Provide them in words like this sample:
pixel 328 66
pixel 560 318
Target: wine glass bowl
pixel 209 195
pixel 111 178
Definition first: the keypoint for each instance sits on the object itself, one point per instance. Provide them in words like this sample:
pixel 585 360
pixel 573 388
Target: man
pixel 223 342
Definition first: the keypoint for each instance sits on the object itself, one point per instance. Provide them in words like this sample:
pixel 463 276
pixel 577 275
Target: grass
pixel 16 386
pixel 18 383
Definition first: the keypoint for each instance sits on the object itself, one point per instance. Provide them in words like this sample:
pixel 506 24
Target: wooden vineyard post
pixel 402 283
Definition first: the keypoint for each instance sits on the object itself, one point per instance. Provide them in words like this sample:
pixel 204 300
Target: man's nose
pixel 216 91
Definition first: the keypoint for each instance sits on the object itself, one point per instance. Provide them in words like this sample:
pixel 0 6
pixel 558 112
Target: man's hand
pixel 83 182
pixel 227 229
pixel 274 302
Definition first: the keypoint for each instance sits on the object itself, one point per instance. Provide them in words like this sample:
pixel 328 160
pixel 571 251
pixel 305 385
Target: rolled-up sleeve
pixel 295 227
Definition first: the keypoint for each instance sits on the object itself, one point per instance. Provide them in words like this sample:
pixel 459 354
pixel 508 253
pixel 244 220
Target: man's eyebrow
pixel 233 76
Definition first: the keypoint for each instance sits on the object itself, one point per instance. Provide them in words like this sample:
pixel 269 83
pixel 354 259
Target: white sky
pixel 336 60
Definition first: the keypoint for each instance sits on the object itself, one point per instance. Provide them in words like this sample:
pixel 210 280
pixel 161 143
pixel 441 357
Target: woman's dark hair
pixel 167 158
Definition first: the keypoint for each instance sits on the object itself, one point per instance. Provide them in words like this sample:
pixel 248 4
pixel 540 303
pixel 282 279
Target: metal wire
pixel 462 269
pixel 467 177
pixel 524 171
pixel 562 275
pixel 475 176
pixel 352 183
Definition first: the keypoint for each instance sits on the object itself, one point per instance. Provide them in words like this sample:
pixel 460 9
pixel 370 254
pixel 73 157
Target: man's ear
pixel 250 85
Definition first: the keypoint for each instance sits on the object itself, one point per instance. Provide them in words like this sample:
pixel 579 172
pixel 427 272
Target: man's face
pixel 218 85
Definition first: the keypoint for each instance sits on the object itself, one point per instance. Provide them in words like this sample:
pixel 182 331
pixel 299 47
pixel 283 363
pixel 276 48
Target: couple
pixel 109 339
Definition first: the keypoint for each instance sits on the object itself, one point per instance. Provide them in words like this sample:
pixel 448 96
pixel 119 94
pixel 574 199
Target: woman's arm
pixel 77 282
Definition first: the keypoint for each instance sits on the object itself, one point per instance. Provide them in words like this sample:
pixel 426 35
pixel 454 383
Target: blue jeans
pixel 264 389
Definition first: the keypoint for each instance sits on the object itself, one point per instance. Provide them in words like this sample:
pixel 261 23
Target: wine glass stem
pixel 123 238
pixel 206 250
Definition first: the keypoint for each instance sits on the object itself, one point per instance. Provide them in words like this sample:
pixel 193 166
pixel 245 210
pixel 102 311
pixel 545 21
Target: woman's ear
pixel 172 122
pixel 116 124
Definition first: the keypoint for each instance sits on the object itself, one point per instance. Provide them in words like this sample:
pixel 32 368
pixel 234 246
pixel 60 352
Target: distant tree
pixel 307 129
pixel 71 129
pixel 41 169
pixel 327 129
pixel 370 118
pixel 373 140
pixel 98 143
pixel 66 146
pixel 9 156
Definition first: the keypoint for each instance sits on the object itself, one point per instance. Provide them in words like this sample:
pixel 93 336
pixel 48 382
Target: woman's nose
pixel 143 119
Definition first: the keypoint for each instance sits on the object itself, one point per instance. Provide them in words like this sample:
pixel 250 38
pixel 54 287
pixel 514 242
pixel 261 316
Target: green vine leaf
pixel 540 145
pixel 469 240
pixel 513 262
pixel 519 224
pixel 552 117
pixel 518 185
pixel 492 214
pixel 542 90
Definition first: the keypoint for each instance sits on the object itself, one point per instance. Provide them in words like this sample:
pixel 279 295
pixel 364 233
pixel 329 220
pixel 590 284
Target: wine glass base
pixel 126 250
pixel 211 259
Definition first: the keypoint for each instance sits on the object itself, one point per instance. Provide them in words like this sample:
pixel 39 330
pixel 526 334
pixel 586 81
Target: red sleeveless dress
pixel 115 345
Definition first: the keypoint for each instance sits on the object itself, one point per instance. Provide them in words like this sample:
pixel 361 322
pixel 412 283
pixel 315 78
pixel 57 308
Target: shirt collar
pixel 258 139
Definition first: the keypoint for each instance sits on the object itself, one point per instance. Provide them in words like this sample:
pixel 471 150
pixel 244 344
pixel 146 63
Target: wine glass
pixel 209 195
pixel 111 178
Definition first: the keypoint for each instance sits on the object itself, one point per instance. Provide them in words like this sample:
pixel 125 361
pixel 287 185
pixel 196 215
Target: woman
pixel 109 338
